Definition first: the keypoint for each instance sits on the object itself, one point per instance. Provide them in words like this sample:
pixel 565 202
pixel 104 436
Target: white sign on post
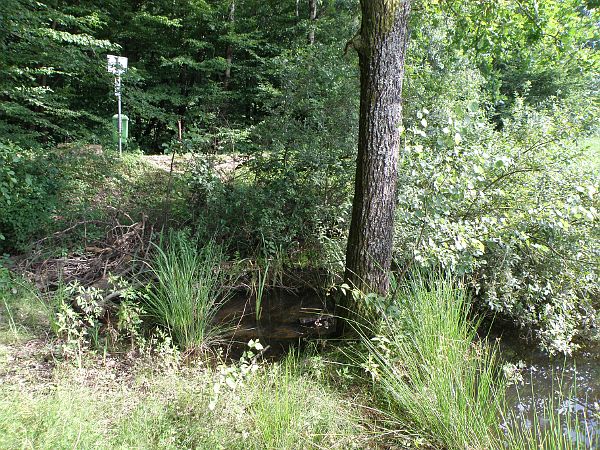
pixel 117 65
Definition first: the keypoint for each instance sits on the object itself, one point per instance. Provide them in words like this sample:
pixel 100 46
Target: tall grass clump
pixel 276 411
pixel 433 375
pixel 187 291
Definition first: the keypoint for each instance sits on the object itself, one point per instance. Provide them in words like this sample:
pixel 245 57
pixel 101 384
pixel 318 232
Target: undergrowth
pixel 434 376
pixel 273 406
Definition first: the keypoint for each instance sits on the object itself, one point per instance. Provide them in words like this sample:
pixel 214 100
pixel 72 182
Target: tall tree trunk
pixel 381 45
pixel 229 49
pixel 312 15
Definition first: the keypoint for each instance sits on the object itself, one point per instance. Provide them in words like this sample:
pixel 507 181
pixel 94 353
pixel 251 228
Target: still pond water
pixel 577 377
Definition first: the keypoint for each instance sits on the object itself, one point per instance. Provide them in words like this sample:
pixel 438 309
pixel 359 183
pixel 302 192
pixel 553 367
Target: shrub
pixel 297 183
pixel 28 187
pixel 514 210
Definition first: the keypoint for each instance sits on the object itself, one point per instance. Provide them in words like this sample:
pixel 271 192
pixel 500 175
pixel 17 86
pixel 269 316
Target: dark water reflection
pixel 567 386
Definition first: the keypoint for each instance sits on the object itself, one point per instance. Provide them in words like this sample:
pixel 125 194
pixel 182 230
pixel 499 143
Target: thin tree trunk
pixel 381 46
pixel 229 49
pixel 312 15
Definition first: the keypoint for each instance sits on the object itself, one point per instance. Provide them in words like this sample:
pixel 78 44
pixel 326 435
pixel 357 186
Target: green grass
pixel 280 416
pixel 276 407
pixel 148 402
pixel 187 291
pixel 431 374
pixel 23 315
pixel 436 379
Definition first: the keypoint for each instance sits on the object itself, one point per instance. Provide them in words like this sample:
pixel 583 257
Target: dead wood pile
pixel 122 252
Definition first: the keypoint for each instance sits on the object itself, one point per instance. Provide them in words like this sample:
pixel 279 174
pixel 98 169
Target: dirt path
pixel 223 165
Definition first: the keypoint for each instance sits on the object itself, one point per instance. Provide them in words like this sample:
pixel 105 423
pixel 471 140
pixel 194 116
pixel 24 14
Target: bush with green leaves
pixel 77 318
pixel 296 184
pixel 28 186
pixel 87 318
pixel 516 211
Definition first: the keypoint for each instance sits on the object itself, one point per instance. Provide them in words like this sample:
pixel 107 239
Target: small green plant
pixel 129 312
pixel 77 318
pixel 187 291
pixel 129 322
pixel 260 289
pixel 233 376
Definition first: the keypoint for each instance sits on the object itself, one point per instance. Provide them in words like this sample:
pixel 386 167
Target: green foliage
pixel 529 49
pixel 188 291
pixel 510 202
pixel 28 187
pixel 51 55
pixel 294 191
pixel 515 210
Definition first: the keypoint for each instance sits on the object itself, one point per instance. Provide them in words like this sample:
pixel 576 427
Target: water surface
pixel 567 385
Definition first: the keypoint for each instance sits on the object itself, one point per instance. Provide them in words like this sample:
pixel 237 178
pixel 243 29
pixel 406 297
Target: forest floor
pixel 157 399
pixel 56 393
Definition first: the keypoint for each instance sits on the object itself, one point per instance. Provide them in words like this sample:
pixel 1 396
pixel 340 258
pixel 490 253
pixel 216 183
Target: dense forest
pixel 334 223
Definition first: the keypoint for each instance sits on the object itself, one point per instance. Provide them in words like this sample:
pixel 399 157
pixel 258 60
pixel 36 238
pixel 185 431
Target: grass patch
pixel 283 417
pixel 23 315
pixel 276 406
pixel 187 291
pixel 436 379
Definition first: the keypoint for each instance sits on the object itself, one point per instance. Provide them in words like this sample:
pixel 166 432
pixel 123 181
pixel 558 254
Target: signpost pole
pixel 117 65
pixel 120 128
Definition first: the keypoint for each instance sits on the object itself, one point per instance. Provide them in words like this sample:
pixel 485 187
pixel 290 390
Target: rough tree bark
pixel 312 15
pixel 381 46
pixel 229 49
